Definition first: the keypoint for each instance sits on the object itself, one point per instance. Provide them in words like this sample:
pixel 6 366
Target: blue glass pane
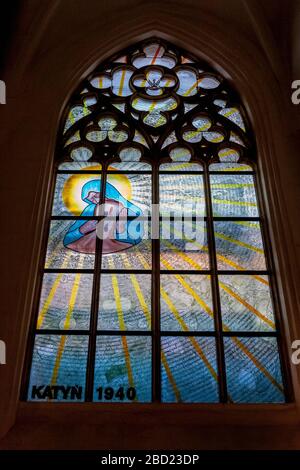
pixel 183 245
pixel 230 167
pixel 186 303
pixel 125 302
pixel 130 191
pixel 58 368
pixel 181 194
pixel 246 303
pixel 123 362
pixel 76 194
pixel 127 248
pixel 129 166
pixel 189 370
pixel 239 245
pixel 65 301
pixel 82 166
pixel 181 166
pixel 71 244
pixel 233 196
pixel 253 370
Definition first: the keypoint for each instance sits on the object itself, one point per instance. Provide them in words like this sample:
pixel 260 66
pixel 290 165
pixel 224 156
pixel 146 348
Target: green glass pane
pixel 233 196
pixel 253 370
pixel 239 245
pixel 189 370
pixel 186 303
pixel 125 302
pixel 71 244
pixel 58 368
pixel 246 303
pixel 65 301
pixel 123 369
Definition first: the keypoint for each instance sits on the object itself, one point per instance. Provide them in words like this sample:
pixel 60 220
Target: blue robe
pixel 74 233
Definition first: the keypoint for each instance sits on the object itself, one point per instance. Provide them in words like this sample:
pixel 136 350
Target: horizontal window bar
pixel 127 172
pixel 79 172
pixel 209 271
pixel 222 172
pixel 183 172
pixel 99 172
pixel 244 334
pixel 161 217
pixel 237 219
pixel 62 332
pixel 79 217
pixel 103 271
pixel 122 333
pixel 245 272
pixel 188 333
pixel 187 271
pixel 149 172
pixel 130 217
pixel 162 271
pixel 126 271
pixel 100 217
pixel 251 334
pixel 99 332
pixel 69 271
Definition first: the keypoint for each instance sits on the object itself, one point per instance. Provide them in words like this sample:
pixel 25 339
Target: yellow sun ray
pixel 147 314
pixel 238 342
pixel 122 325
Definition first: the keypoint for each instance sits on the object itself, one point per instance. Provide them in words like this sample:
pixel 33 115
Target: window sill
pixel 200 414
pixel 67 426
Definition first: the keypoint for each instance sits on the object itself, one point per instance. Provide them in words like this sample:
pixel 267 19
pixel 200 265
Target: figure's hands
pixel 94 197
pixel 88 227
pixel 114 209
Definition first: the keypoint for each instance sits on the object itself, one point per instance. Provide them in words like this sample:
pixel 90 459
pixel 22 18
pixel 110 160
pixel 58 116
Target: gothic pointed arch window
pixel 157 282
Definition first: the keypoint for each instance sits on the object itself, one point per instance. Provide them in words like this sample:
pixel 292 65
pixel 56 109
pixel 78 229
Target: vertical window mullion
pixel 95 303
pixel 215 290
pixel 156 347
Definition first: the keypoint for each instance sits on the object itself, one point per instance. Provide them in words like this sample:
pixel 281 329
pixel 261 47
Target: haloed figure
pixel 117 236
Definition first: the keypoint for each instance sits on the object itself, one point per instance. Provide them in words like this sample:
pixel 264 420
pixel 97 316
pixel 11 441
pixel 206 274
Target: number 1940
pixel 108 393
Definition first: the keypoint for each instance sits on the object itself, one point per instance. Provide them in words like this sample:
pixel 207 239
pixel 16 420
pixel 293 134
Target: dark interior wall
pixel 8 23
pixel 52 46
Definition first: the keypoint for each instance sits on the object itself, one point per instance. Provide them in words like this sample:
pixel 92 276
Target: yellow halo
pixel 71 193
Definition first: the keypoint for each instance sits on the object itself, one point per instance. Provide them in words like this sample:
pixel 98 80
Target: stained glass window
pixel 157 285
